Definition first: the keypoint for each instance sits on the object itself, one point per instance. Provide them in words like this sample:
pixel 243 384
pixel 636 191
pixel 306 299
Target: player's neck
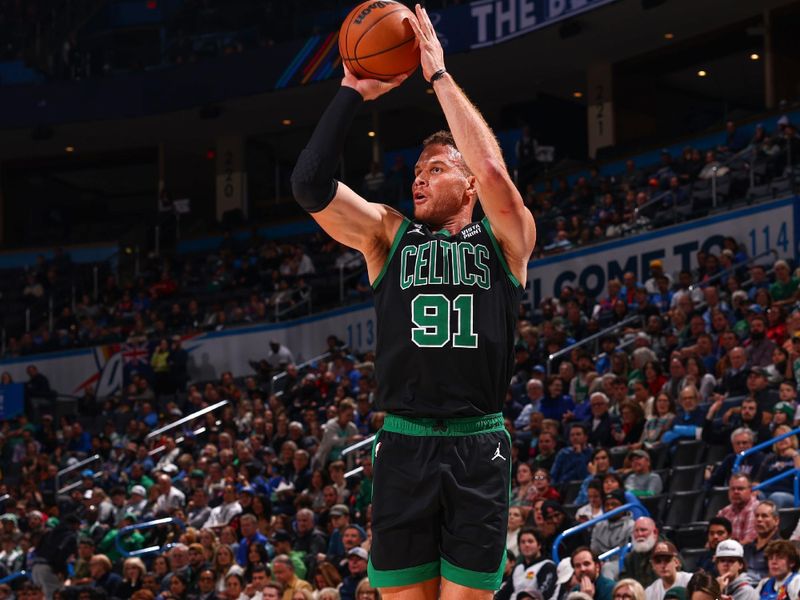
pixel 453 224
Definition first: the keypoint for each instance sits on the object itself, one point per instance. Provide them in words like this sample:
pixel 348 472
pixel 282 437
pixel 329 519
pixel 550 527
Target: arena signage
pixel 759 228
pixel 495 21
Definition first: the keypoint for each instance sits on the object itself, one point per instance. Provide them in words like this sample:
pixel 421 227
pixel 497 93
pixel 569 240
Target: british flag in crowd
pixel 134 354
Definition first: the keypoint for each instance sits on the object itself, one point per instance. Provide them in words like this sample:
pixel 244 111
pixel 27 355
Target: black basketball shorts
pixel 440 501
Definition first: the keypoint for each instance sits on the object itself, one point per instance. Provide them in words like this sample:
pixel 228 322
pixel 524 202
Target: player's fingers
pixel 421 20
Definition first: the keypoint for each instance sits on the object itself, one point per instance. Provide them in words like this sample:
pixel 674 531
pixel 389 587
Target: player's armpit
pixel 365 226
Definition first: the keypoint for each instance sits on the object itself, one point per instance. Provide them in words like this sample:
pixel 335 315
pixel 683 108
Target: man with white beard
pixel 637 563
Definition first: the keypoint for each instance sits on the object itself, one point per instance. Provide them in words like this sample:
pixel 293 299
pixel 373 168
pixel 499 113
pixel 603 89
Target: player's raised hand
pixel 430 49
pixel 370 89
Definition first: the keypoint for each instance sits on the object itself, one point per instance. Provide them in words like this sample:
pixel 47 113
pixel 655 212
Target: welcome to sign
pixel 760 228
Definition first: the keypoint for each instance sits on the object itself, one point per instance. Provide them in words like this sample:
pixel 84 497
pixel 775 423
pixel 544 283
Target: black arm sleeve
pixel 313 184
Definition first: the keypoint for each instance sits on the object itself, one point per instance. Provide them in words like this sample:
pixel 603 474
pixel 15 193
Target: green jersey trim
pixel 400 232
pixel 400 577
pixel 500 254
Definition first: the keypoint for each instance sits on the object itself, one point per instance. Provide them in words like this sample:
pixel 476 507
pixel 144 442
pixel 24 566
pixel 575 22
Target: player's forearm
pixel 473 136
pixel 313 184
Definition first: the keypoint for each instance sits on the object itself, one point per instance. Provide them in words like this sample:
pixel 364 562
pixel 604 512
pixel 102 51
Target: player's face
pixel 440 189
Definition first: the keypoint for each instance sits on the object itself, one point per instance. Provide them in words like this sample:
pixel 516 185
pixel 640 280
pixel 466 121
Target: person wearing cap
pixel 656 270
pixel 339 515
pixel 782 580
pixel 589 580
pixel 533 572
pixel 666 564
pixel 612 532
pixel 642 481
pixel 767 531
pixel 637 563
pixel 357 570
pixel 733 580
pixel 741 511
pixel 281 541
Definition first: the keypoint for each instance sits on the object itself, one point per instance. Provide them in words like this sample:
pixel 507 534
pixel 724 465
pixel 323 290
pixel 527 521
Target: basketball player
pixel 446 297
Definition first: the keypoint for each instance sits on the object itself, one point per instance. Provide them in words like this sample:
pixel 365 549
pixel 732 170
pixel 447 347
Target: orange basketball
pixel 376 42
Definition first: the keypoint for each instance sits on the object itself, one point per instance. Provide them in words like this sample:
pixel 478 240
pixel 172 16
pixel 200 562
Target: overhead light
pixel 371 133
pixel 286 122
pixel 754 56
pixel 577 94
pixel 701 73
pixel 669 36
pixel 69 149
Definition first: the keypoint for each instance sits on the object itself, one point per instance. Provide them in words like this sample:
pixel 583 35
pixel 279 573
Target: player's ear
pixel 471 193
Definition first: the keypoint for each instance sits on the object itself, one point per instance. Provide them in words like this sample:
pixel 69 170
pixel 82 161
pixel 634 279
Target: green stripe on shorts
pixel 473 579
pixel 401 577
pixel 444 427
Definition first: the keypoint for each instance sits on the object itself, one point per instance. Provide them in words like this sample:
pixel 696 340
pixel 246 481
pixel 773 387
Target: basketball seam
pixel 355 47
pixel 403 43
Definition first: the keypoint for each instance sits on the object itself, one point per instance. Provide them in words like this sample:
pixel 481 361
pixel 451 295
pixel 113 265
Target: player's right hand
pixel 370 89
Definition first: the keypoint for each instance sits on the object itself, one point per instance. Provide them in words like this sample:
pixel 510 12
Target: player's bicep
pixel 511 221
pixel 351 220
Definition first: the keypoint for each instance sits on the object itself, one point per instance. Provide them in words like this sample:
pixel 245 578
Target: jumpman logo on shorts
pixel 497 453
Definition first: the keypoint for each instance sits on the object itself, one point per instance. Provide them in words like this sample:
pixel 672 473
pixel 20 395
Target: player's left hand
pixel 431 51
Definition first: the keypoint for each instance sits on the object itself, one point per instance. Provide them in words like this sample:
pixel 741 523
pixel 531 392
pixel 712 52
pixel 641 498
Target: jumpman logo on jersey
pixel 497 453
pixel 417 229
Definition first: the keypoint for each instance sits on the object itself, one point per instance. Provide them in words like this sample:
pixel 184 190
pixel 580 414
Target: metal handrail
pixel 14 576
pixel 77 484
pixel 299 367
pixel 780 477
pixel 186 419
pixel 733 269
pixel 178 441
pixel 304 300
pixel 591 338
pixel 358 445
pixel 146 525
pixel 621 550
pixel 650 202
pixel 744 453
pixel 630 507
pixel 77 465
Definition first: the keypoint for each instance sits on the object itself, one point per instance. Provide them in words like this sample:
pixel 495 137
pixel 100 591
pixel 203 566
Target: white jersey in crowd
pixel 656 590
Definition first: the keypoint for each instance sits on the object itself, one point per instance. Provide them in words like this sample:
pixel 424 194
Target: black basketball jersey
pixel 447 311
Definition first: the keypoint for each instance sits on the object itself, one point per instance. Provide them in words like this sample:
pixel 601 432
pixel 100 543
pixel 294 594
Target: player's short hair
pixel 445 138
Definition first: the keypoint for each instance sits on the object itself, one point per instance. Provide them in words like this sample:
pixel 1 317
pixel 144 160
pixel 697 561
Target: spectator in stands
pixel 642 481
pixel 781 579
pixel 784 457
pixel 546 450
pixel 734 380
pixel 760 348
pixel 555 403
pixel 597 468
pixel 205 586
pixel 570 463
pixel 660 422
pixel 733 580
pixel 104 578
pixel 688 422
pixel 600 423
pixel 279 355
pixel 612 532
pixel 532 571
pixel 784 288
pixel 742 439
pixel 534 392
pixel 637 563
pixel 283 571
pixel 250 535
pixel 224 513
pixel 666 565
pixel 718 529
pixel 767 530
pixel 339 432
pixel 741 511
pixel 357 564
pixel 586 567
